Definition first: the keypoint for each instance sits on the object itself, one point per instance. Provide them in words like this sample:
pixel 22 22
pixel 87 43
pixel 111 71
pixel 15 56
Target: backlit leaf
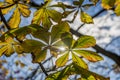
pixel 117 10
pixel 61 75
pixel 39 55
pixel 6 10
pixel 7 47
pixel 10 50
pixel 58 29
pixel 85 42
pixel 107 4
pixel 91 56
pixel 62 60
pixel 2 50
pixel 24 10
pixel 117 2
pixel 43 15
pixel 86 18
pixel 38 16
pixel 87 74
pixel 19 49
pixel 79 61
pixel 88 78
pixel 15 19
pixel 67 38
pixel 9 1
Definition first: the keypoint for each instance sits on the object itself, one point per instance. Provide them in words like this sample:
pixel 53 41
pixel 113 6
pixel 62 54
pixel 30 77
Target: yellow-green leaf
pixel 107 4
pixel 91 56
pixel 2 50
pixel 79 61
pixel 24 9
pixel 9 1
pixel 39 55
pixel 19 49
pixel 117 2
pixel 117 10
pixel 88 74
pixel 62 60
pixel 41 16
pixel 7 47
pixel 86 18
pixel 85 42
pixel 91 77
pixel 10 49
pixel 38 16
pixel 15 19
pixel 6 10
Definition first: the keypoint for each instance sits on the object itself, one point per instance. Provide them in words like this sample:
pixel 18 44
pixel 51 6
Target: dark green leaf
pixel 66 13
pixel 107 4
pixel 58 29
pixel 54 15
pixel 79 3
pixel 31 45
pixel 39 55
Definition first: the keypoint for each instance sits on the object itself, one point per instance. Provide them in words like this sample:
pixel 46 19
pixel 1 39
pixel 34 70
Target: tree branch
pixel 7 6
pixel 4 20
pixel 43 69
pixel 109 54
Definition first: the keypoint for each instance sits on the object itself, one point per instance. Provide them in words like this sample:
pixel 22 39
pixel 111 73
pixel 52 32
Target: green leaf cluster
pixel 74 69
pixel 49 31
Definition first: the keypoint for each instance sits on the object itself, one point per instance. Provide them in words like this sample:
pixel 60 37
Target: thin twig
pixel 101 11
